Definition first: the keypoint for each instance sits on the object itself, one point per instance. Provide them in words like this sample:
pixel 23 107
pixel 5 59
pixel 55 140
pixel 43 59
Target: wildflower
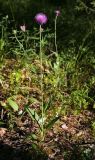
pixel 23 28
pixel 57 12
pixel 41 18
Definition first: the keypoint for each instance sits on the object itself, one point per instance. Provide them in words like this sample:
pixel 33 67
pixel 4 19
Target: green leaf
pixel 35 38
pixel 33 137
pixel 52 122
pixel 2 43
pixel 36 117
pixel 33 100
pixel 1 123
pixel 48 105
pixel 34 146
pixel 30 112
pixel 13 104
pixel 33 114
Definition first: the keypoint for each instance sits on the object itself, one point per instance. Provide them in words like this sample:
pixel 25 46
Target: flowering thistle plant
pixel 41 19
pixel 41 119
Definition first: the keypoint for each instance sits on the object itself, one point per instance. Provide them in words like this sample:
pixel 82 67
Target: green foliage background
pixel 68 76
pixel 77 17
pixel 75 31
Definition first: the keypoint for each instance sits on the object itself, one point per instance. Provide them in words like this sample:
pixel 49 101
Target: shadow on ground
pixel 9 153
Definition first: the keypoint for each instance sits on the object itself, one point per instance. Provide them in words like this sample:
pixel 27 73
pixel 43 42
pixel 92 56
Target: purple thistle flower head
pixel 57 12
pixel 41 18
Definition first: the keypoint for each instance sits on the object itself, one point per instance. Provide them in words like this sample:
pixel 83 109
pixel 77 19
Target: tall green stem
pixel 41 61
pixel 56 34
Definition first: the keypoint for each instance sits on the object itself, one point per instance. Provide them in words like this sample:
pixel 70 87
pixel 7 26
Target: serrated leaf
pixel 13 104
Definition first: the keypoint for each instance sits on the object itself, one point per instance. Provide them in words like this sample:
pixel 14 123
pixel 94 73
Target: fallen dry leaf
pixel 64 127
pixel 2 131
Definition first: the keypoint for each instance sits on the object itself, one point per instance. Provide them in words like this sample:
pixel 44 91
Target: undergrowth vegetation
pixel 39 79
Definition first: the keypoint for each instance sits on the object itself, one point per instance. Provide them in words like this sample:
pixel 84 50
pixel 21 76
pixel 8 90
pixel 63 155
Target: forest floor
pixel 70 138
